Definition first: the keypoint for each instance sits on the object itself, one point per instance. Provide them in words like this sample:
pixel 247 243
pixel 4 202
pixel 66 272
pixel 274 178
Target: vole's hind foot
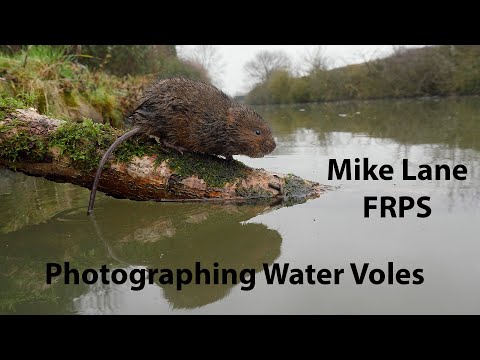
pixel 174 147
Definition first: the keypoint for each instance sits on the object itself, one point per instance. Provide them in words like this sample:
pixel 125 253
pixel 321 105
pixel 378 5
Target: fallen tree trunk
pixel 139 170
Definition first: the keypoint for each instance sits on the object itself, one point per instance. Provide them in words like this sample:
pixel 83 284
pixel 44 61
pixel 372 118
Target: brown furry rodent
pixel 193 116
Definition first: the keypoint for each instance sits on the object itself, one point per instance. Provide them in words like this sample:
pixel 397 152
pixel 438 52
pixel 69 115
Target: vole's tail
pixel 105 157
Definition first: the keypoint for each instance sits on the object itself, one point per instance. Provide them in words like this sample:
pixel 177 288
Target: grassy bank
pixel 430 71
pixel 97 82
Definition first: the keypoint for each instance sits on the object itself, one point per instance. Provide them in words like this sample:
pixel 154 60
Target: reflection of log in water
pixel 223 241
pixel 140 234
pixel 27 200
pixel 205 234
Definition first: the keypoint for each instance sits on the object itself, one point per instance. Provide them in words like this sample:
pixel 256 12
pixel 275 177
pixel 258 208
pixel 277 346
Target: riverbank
pixel 303 105
pixel 409 73
pixel 70 86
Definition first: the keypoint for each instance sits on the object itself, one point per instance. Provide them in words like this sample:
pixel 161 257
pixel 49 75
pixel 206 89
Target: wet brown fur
pixel 199 117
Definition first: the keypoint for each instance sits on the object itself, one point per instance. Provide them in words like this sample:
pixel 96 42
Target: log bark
pixel 142 178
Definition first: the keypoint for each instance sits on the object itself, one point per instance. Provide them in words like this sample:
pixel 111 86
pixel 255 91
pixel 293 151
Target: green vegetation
pixel 22 146
pixel 214 171
pixel 80 142
pixel 124 60
pixel 136 146
pixel 429 71
pixel 253 192
pixel 9 104
pixel 98 82
pixel 19 144
pixel 295 186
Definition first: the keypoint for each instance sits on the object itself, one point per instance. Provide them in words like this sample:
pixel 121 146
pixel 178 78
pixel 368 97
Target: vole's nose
pixel 272 145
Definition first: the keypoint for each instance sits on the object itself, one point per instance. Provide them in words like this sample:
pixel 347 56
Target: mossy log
pixel 140 169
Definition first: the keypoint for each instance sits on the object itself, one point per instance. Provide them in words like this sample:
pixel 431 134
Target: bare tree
pixel 315 60
pixel 265 63
pixel 369 60
pixel 207 56
pixel 399 49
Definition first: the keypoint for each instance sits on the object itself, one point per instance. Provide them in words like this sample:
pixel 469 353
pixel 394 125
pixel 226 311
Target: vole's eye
pixel 258 132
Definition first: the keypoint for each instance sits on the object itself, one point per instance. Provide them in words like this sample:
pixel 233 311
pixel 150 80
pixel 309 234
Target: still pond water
pixel 42 221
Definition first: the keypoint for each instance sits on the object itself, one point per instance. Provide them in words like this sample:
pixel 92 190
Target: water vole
pixel 189 115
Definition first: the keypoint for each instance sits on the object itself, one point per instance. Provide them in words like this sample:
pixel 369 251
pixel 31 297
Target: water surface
pixel 42 221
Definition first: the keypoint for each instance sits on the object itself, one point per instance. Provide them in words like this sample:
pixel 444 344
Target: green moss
pixel 253 192
pixel 80 142
pixel 135 147
pixel 295 186
pixel 216 172
pixel 21 145
pixel 9 104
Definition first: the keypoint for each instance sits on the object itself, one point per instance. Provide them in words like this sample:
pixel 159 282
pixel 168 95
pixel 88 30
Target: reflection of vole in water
pixel 187 115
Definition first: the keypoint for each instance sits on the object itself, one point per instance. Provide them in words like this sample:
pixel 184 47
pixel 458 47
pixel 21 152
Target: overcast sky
pixel 234 80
